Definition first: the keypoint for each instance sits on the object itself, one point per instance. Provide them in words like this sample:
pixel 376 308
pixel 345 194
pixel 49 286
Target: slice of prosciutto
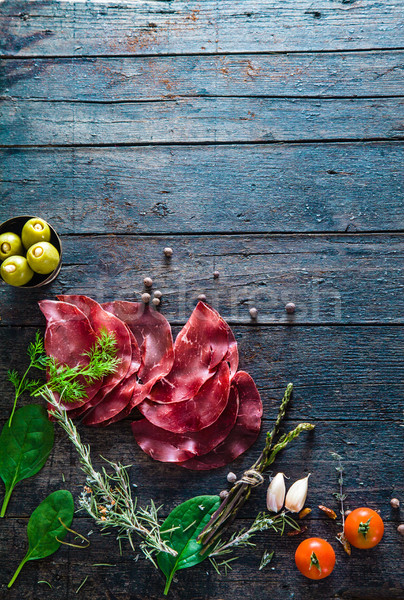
pixel 196 413
pixel 199 348
pixel 100 320
pixel 244 432
pixel 166 446
pixel 153 334
pixel 68 336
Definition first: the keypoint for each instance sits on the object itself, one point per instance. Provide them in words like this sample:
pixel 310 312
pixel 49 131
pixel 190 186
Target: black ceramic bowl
pixel 15 225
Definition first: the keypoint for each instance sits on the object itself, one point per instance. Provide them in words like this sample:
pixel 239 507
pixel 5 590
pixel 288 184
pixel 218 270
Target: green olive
pixel 43 258
pixel 10 245
pixel 35 230
pixel 16 271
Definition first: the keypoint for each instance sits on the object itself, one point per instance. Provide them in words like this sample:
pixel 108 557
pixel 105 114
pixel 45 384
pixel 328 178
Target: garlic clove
pixel 297 494
pixel 276 493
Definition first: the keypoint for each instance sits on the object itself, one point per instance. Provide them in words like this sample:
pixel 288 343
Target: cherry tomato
pixel 364 528
pixel 315 558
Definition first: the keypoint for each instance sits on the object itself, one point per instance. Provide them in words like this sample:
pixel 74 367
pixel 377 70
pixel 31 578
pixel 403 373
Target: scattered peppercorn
pixel 231 477
pixel 400 529
pixel 168 252
pixel 202 297
pixel 156 301
pixel 223 494
pixel 215 274
pixel 395 502
pixel 148 281
pixel 158 294
pixel 253 312
pixel 146 298
pixel 347 512
pixel 290 308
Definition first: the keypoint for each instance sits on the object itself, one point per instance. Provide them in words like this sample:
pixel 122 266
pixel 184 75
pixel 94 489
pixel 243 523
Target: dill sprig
pixel 107 497
pixel 262 522
pixel 38 360
pixel 241 490
pixel 69 383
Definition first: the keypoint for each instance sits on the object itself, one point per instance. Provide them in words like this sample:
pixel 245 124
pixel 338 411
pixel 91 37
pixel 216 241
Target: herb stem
pixel 18 391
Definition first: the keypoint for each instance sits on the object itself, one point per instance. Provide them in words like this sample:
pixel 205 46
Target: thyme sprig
pixel 341 497
pixel 68 382
pixel 241 490
pixel 107 497
pixel 263 521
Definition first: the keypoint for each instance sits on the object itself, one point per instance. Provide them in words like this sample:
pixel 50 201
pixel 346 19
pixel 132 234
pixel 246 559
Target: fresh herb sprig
pixel 69 383
pixel 241 490
pixel 341 497
pixel 38 360
pixel 263 521
pixel 107 498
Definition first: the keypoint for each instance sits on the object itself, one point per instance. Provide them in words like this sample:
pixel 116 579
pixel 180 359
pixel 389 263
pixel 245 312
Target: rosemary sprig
pixel 241 490
pixel 107 498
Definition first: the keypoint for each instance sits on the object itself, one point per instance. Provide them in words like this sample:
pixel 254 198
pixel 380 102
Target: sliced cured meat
pixel 232 353
pixel 153 335
pixel 152 332
pixel 199 347
pixel 68 336
pixel 195 414
pixel 100 320
pixel 244 432
pixel 166 446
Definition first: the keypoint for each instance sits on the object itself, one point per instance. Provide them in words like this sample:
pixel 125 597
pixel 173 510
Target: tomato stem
pixel 364 527
pixel 314 562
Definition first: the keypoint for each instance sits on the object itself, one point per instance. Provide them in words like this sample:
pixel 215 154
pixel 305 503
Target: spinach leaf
pixel 24 447
pixel 180 530
pixel 47 527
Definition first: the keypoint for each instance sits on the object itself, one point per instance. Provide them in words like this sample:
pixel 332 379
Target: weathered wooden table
pixel 261 139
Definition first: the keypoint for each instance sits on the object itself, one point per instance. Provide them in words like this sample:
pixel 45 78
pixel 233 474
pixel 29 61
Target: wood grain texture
pixel 200 120
pixel 174 189
pixel 345 373
pixel 265 271
pixel 127 578
pixel 115 79
pixel 160 83
pixel 188 26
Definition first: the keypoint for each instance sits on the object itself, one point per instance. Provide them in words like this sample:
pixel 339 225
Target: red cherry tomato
pixel 315 558
pixel 364 528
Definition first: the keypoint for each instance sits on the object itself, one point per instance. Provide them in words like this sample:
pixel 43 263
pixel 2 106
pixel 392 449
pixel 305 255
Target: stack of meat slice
pixel 198 410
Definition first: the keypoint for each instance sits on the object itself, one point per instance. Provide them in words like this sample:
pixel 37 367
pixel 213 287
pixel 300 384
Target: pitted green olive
pixel 16 271
pixel 43 258
pixel 35 230
pixel 10 245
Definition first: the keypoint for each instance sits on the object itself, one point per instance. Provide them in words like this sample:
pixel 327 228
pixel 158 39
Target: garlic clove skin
pixel 297 494
pixel 276 493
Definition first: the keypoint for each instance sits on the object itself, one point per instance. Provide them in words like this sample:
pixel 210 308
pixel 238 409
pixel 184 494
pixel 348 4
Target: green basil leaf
pixel 24 447
pixel 47 527
pixel 180 530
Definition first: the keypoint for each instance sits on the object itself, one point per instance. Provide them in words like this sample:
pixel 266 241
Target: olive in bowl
pixel 43 258
pixel 10 245
pixel 37 228
pixel 16 271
